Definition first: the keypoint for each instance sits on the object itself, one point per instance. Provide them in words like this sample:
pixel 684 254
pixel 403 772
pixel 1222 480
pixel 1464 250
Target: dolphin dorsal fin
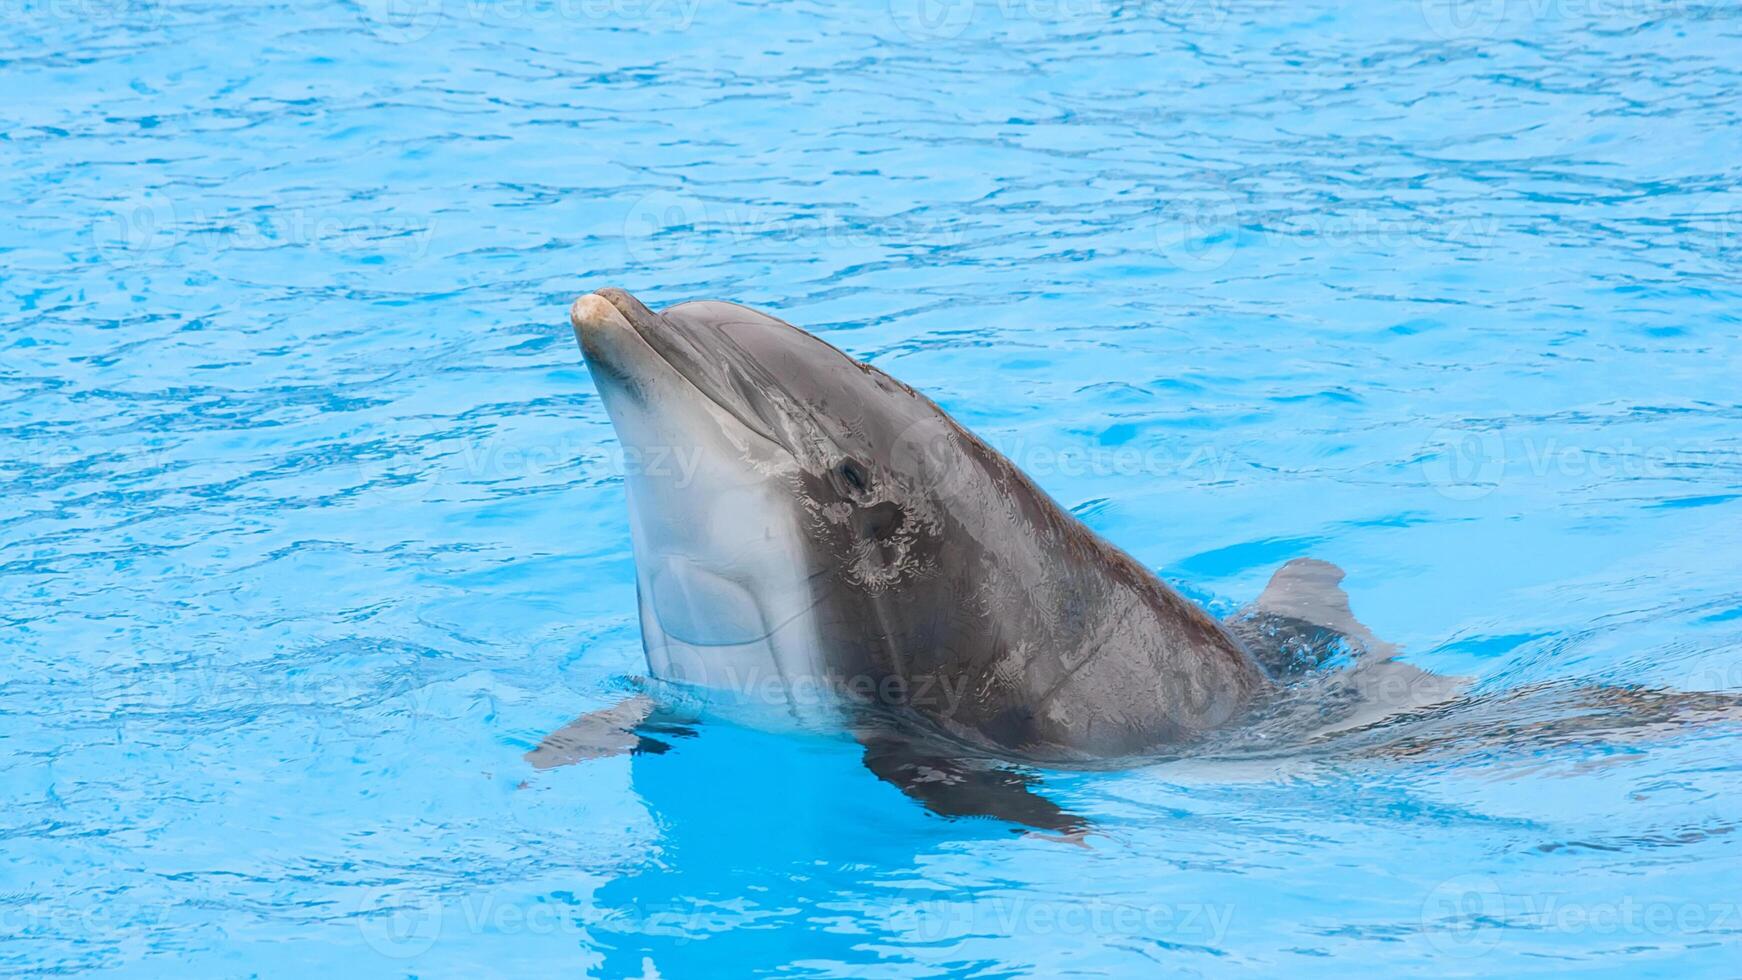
pixel 1311 590
pixel 1302 619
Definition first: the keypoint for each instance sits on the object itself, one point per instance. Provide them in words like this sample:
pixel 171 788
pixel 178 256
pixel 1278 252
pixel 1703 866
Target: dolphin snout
pixel 625 340
pixel 607 336
pixel 594 312
pixel 613 306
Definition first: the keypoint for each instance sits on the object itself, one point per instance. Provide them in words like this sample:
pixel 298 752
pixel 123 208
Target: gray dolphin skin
pixel 841 532
pixel 817 545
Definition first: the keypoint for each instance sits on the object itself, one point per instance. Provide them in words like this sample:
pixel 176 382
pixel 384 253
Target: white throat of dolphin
pixel 724 587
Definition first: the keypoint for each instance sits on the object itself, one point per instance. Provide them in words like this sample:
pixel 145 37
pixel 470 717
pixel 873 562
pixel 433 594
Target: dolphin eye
pixel 854 475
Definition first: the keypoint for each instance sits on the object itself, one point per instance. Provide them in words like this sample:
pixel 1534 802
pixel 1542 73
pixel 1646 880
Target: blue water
pixel 312 521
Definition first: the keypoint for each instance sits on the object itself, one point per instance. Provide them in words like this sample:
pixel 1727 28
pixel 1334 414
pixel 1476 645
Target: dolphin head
pixel 778 488
pixel 806 526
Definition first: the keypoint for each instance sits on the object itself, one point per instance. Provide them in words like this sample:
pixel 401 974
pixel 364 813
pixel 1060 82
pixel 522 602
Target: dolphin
pixel 838 553
pixel 841 531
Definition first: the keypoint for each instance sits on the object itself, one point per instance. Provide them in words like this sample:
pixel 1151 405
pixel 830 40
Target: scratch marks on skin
pixel 1107 636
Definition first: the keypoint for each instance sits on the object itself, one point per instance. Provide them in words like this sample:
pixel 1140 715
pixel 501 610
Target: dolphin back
pixel 1023 631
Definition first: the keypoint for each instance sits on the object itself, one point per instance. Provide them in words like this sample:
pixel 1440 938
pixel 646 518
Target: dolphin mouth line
pixel 816 599
pixel 632 313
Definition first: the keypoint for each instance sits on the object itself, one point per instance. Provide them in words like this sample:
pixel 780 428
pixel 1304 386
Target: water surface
pixel 313 522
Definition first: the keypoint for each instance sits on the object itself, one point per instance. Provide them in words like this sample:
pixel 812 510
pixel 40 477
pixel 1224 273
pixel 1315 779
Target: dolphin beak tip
pixel 591 312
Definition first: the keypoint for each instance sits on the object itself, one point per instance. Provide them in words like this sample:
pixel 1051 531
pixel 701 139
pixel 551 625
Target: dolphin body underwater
pixel 841 554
